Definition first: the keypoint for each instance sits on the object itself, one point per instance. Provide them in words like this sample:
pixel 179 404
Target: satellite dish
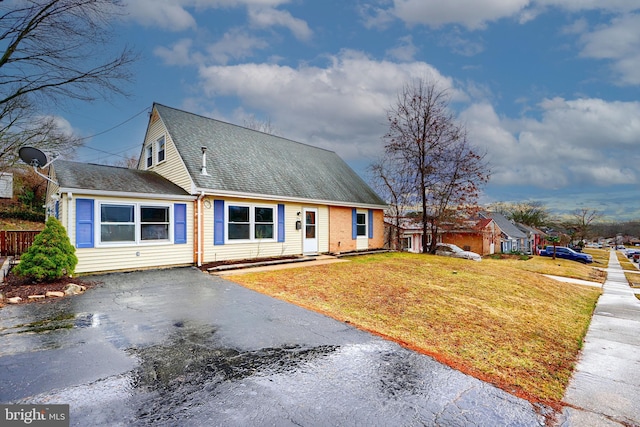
pixel 37 159
pixel 33 156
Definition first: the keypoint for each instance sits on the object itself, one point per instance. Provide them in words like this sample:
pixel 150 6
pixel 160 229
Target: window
pixel 149 155
pixel 154 222
pixel 263 223
pixel 250 222
pixel 117 223
pixel 134 223
pixel 239 223
pixel 160 149
pixel 361 222
pixel 407 242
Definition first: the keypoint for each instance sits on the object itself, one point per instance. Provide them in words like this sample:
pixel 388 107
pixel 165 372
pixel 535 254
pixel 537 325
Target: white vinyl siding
pixel 173 168
pixel 128 256
pixel 292 244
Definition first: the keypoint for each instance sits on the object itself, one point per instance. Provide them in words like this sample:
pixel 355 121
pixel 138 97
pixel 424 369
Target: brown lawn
pixel 491 319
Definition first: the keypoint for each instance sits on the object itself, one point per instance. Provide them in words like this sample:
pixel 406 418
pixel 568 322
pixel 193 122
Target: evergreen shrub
pixel 50 257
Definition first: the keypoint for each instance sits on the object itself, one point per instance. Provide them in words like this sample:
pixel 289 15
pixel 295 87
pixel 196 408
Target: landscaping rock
pixel 35 297
pixel 73 289
pixel 54 294
pixel 14 300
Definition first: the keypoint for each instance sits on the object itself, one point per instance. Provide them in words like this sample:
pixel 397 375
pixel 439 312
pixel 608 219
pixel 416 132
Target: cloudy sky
pixel 549 88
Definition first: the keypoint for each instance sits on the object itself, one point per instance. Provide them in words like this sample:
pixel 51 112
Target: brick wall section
pixel 378 230
pixel 340 234
pixel 477 242
pixel 468 241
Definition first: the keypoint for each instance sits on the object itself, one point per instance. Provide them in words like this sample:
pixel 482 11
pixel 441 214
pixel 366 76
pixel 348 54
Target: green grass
pixel 493 319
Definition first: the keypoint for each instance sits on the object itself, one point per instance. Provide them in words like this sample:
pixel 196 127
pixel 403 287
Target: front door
pixel 310 230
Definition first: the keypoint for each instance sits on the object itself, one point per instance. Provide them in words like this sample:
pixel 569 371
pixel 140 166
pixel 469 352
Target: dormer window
pixel 149 155
pixel 160 149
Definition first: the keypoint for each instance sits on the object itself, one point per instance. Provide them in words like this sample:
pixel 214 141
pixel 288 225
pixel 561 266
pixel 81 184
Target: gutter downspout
pixel 69 198
pixel 199 246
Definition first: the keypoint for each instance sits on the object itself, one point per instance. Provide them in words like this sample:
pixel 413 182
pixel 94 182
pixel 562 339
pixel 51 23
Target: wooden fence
pixel 15 243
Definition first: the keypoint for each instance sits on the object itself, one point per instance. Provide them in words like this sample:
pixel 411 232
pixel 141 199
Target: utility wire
pixel 114 127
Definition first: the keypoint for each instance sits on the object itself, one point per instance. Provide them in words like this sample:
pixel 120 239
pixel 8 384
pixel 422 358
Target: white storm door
pixel 310 231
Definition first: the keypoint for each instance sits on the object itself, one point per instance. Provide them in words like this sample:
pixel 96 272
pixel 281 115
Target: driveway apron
pixel 180 347
pixel 605 387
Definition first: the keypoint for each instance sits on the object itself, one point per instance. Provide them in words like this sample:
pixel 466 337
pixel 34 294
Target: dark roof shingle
pixel 88 176
pixel 246 161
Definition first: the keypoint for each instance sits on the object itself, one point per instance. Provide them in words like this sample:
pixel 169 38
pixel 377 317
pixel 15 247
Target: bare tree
pixel 48 55
pixel 426 141
pixel 395 187
pixel 581 222
pixel 261 126
pixel 130 162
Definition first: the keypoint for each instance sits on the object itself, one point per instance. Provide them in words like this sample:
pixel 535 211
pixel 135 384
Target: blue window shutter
pixel 180 223
pixel 354 224
pixel 280 222
pixel 370 224
pixel 84 223
pixel 57 209
pixel 218 222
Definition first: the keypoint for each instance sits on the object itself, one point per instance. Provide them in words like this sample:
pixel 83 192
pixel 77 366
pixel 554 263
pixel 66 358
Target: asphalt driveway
pixel 180 347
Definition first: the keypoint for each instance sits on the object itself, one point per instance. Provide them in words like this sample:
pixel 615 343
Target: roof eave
pixel 258 196
pixel 124 194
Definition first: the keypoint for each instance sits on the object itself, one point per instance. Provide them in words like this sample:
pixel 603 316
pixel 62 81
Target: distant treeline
pixel 630 229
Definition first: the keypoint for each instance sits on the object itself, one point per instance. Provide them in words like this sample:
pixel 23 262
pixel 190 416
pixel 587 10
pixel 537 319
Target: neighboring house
pixel 208 191
pixel 512 239
pixel 410 231
pixel 481 236
pixel 534 238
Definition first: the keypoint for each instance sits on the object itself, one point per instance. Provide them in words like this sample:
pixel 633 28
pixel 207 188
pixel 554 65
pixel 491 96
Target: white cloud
pixel 473 14
pixel 235 44
pixel 613 6
pixel 583 142
pixel 476 14
pixel 178 54
pixel 340 107
pixel 166 15
pixel 269 17
pixel 618 42
pixel 404 51
pixel 173 15
pixel 461 45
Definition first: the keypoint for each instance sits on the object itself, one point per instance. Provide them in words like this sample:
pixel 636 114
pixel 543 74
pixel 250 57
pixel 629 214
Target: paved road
pixel 179 347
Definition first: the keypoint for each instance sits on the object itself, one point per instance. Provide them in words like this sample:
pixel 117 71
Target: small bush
pixel 50 257
pixel 20 213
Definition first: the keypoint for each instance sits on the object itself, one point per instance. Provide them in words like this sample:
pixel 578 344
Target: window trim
pixel 148 156
pixel 162 140
pixel 137 221
pixel 132 209
pixel 252 222
pixel 365 225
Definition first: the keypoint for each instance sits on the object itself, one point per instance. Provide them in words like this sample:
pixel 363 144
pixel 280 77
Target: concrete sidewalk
pixel 605 387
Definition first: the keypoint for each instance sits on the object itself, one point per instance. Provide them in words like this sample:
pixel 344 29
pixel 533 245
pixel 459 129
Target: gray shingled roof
pixel 506 226
pixel 247 161
pixel 89 176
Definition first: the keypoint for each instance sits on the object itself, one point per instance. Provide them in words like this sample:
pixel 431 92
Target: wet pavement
pixel 180 347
